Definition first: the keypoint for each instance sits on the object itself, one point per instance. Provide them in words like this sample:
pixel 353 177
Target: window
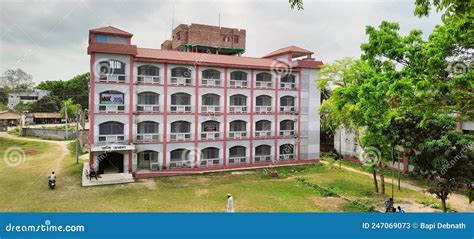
pixel 210 126
pixel 287 149
pixel 148 98
pixel 238 75
pixel 178 36
pixel 237 151
pixel 112 67
pixel 210 99
pixel 181 99
pixel 180 127
pixel 264 100
pixel 263 125
pixel 288 79
pixel 287 101
pixel 181 72
pixel 148 160
pixel 211 74
pixel 101 38
pixel 287 125
pixel 226 39
pixel 267 77
pixel 111 128
pixel 148 70
pixel 111 98
pixel 238 100
pixel 148 127
pixel 238 125
pixel 263 150
pixel 236 39
pixel 180 155
pixel 210 153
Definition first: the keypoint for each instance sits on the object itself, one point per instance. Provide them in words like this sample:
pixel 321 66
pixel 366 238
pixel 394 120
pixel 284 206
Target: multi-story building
pixel 164 112
pixel 25 97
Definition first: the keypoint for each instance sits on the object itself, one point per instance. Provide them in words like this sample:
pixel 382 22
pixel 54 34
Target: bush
pixel 325 192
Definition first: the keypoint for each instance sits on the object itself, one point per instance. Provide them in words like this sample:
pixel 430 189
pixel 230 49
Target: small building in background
pixel 46 118
pixel 25 97
pixel 9 118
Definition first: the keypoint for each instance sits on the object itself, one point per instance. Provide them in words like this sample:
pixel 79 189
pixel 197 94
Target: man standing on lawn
pixel 230 203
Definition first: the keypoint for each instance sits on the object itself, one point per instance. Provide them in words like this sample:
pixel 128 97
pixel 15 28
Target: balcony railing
pixel 238 109
pixel 238 83
pixel 143 79
pixel 148 108
pixel 210 109
pixel 237 134
pixel 287 86
pixel 210 162
pixel 183 81
pixel 287 133
pixel 180 164
pixel 210 135
pixel 237 160
pixel 263 134
pixel 148 138
pixel 287 109
pixel 211 82
pixel 285 157
pixel 112 138
pixel 262 109
pixel 263 158
pixel 180 136
pixel 180 108
pixel 111 108
pixel 263 85
pixel 113 78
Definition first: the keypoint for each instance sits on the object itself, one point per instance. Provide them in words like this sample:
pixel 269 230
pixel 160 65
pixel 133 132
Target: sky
pixel 48 39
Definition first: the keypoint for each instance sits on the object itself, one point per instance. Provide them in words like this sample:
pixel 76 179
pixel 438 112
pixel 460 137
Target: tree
pixel 76 88
pixel 23 107
pixel 453 9
pixel 16 79
pixel 49 103
pixel 298 4
pixel 69 107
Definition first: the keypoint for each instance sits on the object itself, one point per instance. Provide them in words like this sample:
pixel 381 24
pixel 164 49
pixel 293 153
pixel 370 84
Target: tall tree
pixel 76 88
pixel 16 79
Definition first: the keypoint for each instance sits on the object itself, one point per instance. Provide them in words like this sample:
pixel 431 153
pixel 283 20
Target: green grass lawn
pixel 24 188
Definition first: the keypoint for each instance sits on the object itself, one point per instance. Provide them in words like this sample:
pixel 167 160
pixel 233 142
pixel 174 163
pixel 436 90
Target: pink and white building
pixel 163 112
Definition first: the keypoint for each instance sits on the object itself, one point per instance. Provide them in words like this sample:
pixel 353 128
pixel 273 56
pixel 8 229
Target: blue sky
pixel 48 39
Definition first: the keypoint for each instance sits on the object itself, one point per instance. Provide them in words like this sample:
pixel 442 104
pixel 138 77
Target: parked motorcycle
pixel 51 184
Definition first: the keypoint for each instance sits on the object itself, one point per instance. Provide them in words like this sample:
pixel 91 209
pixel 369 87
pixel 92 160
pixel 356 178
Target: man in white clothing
pixel 230 203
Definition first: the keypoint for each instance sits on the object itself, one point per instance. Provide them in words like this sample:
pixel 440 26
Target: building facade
pixel 163 112
pixel 25 97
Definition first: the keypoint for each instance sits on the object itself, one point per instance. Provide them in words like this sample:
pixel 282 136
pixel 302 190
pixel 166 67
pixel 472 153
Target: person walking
pixel 230 203
pixel 389 205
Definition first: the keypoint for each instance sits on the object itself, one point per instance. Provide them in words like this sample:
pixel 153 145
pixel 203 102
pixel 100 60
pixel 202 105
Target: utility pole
pixel 78 113
pixel 340 148
pixel 393 163
pixel 65 114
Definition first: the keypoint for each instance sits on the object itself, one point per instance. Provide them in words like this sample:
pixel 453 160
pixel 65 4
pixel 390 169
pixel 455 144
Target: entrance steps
pixel 105 179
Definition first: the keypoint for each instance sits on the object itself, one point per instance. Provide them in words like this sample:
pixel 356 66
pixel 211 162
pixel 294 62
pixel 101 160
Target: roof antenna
pixel 172 21
pixel 219 20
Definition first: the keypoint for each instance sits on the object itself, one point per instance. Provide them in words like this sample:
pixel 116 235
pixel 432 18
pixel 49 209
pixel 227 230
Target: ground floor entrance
pixel 110 163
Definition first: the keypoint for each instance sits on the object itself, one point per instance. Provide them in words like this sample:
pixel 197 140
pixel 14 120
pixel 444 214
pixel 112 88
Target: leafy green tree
pixel 49 103
pixel 76 88
pixel 23 107
pixel 453 9
pixel 69 107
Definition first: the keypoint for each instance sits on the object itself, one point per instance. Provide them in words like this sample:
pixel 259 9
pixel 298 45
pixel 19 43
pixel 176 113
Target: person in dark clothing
pixel 389 205
pixel 92 173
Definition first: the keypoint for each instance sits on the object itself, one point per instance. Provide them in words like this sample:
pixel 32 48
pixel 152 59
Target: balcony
pixel 238 84
pixel 112 138
pixel 237 109
pixel 211 82
pixel 287 109
pixel 143 79
pixel 263 158
pixel 112 78
pixel 148 108
pixel 147 138
pixel 237 160
pixel 180 164
pixel 262 109
pixel 210 135
pixel 181 81
pixel 105 108
pixel 263 85
pixel 287 133
pixel 287 86
pixel 210 109
pixel 285 157
pixel 180 108
pixel 237 134
pixel 210 162
pixel 263 134
pixel 175 137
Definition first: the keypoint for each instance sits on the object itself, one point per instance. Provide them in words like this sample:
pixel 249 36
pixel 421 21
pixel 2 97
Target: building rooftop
pixel 294 50
pixel 111 30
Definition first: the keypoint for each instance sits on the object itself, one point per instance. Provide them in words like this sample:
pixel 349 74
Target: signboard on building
pixel 111 98
pixel 112 147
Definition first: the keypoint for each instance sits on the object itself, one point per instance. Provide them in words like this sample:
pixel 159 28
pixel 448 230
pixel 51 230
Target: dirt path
pixel 458 202
pixel 58 156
